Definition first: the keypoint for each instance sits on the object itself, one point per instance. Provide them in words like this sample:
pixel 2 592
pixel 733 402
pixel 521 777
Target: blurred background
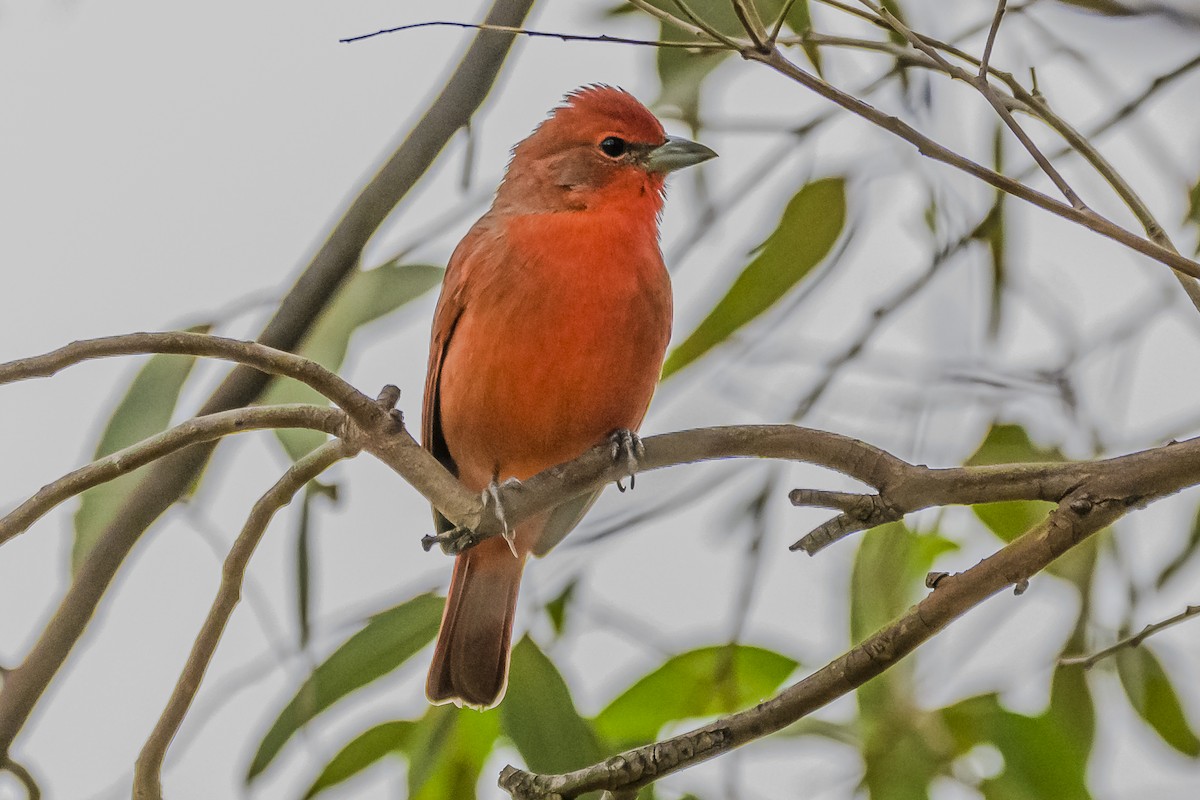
pixel 165 167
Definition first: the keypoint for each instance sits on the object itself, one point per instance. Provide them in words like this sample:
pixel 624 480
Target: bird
pixel 548 339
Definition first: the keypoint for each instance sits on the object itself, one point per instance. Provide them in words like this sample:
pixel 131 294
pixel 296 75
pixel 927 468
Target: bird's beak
pixel 677 153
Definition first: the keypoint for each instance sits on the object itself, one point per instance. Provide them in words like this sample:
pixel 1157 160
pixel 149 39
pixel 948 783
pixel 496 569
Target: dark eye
pixel 614 147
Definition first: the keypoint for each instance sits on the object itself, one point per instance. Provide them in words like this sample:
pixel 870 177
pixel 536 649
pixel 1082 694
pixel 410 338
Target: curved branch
pixel 252 354
pixel 1013 565
pixel 147 776
pixel 198 429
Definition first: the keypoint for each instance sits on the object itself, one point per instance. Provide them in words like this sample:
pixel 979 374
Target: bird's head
pixel 600 146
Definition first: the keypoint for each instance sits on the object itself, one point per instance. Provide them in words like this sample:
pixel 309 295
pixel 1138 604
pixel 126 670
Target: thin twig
pixel 566 37
pixel 780 20
pixel 252 354
pixel 1089 661
pixel 932 149
pixel 193 431
pixel 984 87
pixel 1035 104
pixel 670 19
pixel 752 24
pixel 991 39
pixel 709 30
pixel 147 779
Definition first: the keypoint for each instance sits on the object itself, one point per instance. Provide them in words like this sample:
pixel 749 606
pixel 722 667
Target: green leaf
pixel 807 231
pixel 699 683
pixel 363 750
pixel 1153 697
pixel 556 609
pixel 1011 518
pixel 1010 444
pixel 899 758
pixel 889 570
pixel 1184 555
pixel 1042 756
pixel 539 716
pixel 146 409
pixel 447 752
pixel 388 640
pixel 993 233
pixel 1193 214
pixel 1108 8
pixel 365 297
pixel 799 19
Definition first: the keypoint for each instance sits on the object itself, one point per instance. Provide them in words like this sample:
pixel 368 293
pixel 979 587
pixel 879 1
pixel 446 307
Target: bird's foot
pixel 452 542
pixel 491 496
pixel 626 446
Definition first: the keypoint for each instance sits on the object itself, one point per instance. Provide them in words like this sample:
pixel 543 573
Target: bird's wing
pixel 450 307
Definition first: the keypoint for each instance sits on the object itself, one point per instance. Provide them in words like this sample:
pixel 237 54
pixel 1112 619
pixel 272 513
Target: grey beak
pixel 677 153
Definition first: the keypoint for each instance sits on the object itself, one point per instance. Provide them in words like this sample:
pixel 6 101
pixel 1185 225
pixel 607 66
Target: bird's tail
pixel 470 662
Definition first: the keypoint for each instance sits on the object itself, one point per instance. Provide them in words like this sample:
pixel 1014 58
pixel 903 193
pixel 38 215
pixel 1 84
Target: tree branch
pixel 1013 565
pixel 198 429
pixel 602 38
pixel 932 149
pixel 1089 661
pixel 147 776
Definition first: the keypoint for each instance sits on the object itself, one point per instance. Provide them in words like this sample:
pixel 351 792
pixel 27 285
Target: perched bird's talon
pixel 492 494
pixel 626 446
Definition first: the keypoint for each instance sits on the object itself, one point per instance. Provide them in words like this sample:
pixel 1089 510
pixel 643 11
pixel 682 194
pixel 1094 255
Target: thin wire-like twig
pixel 780 21
pixel 1089 661
pixel 147 780
pixel 193 431
pixel 566 37
pixel 991 39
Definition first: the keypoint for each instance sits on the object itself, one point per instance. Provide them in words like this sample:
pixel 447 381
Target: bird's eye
pixel 614 147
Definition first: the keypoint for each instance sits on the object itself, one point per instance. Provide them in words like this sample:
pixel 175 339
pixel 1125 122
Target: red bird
pixel 548 339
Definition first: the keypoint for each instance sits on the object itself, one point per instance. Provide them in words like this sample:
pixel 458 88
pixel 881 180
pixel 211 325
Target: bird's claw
pixel 491 496
pixel 626 446
pixel 452 542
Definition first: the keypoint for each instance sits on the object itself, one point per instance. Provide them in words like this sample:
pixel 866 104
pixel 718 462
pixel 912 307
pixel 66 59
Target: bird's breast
pixel 556 348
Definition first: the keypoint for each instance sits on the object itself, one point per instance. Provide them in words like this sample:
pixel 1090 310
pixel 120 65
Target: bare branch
pixel 198 429
pixel 985 88
pixel 747 14
pixel 991 39
pixel 1089 661
pixel 260 357
pixel 1012 566
pixel 928 147
pixel 780 21
pixel 1036 105
pixel 147 777
pixel 566 37
pixel 671 19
